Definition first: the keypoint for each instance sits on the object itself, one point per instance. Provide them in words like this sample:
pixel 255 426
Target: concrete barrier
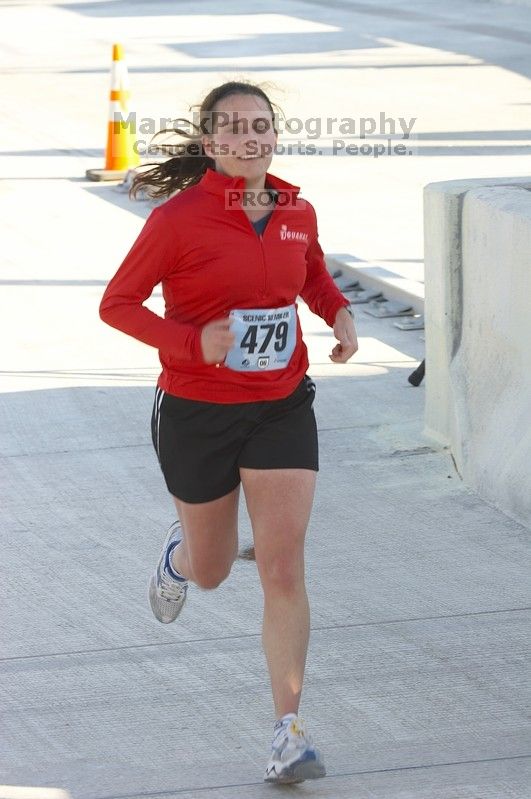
pixel 478 334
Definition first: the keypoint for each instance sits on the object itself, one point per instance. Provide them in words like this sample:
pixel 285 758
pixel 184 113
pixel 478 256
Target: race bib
pixel 265 338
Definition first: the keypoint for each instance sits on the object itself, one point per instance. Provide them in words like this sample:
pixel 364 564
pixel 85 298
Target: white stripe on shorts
pixel 159 396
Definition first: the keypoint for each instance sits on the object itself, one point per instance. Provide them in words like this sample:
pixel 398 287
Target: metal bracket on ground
pixel 360 297
pixel 387 308
pixel 394 286
pixel 347 283
pixel 413 323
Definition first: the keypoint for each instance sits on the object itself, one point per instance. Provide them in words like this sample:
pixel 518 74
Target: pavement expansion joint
pixel 370 425
pixel 525 756
pixel 329 776
pixel 320 628
pixel 74 451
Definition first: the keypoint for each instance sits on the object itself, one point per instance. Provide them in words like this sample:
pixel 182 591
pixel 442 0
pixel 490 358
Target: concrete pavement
pixel 417 673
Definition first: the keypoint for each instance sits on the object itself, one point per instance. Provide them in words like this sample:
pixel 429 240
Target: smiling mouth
pixel 249 157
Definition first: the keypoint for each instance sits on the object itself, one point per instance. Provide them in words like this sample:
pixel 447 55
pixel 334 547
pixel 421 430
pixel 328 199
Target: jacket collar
pixel 218 183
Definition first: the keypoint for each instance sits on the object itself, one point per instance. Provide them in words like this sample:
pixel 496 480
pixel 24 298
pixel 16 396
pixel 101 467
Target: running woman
pixel 234 246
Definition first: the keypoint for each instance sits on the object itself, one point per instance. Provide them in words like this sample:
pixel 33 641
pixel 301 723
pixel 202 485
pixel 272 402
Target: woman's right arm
pixel 148 261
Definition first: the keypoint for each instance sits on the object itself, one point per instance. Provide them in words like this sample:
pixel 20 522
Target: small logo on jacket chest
pixel 292 235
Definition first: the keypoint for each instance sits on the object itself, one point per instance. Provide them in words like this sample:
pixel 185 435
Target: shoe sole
pixel 305 770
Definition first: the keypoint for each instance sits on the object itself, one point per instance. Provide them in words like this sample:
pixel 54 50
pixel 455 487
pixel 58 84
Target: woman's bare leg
pixel 279 503
pixel 210 539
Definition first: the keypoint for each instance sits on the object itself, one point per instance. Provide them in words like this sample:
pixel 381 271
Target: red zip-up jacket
pixel 210 260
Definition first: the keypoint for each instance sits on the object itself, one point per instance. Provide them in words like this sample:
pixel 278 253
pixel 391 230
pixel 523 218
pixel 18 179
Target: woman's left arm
pixel 345 333
pixel 323 297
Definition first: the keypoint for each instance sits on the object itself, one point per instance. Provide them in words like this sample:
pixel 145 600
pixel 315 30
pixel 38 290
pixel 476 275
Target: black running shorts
pixel 202 445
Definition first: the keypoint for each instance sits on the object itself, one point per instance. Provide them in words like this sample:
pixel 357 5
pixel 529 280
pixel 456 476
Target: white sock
pixel 173 572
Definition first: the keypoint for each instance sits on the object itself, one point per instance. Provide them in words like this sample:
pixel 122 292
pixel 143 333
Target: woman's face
pixel 243 139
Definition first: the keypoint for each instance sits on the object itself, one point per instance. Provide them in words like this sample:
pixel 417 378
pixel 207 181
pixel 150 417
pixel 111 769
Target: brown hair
pixel 187 168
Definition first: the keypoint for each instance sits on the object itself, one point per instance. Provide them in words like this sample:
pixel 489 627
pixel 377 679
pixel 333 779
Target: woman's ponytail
pixel 178 172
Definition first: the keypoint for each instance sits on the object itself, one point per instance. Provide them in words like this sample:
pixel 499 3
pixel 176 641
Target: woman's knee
pixel 282 573
pixel 209 569
pixel 209 576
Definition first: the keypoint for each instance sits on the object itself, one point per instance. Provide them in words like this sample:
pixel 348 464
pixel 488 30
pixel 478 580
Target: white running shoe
pixel 167 595
pixel 293 755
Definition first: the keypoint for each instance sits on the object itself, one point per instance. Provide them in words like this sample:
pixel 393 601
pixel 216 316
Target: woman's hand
pixel 346 335
pixel 216 340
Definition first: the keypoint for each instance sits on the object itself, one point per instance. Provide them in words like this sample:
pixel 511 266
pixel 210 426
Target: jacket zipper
pixel 260 237
pixel 262 252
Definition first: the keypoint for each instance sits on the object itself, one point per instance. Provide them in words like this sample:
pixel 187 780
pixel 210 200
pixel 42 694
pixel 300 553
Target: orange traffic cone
pixel 120 154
